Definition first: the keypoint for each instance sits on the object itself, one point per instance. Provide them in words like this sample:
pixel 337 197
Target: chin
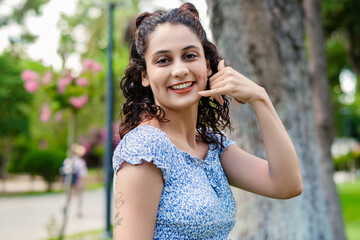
pixel 181 105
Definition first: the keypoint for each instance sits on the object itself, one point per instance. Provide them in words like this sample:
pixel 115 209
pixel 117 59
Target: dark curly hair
pixel 139 105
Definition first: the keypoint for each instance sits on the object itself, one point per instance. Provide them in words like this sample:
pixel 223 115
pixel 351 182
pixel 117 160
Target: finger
pixel 221 65
pixel 216 79
pixel 213 92
pixel 219 83
pixel 208 93
pixel 216 76
pixel 219 99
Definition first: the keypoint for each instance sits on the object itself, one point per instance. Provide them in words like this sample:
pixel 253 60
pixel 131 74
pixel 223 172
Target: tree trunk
pixel 264 40
pixel 322 108
pixel 68 180
pixel 5 158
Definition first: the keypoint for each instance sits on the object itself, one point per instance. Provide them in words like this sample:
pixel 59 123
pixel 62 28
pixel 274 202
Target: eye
pixel 190 56
pixel 162 61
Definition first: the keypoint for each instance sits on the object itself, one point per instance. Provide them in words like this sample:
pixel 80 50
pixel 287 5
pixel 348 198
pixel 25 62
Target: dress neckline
pixel 198 160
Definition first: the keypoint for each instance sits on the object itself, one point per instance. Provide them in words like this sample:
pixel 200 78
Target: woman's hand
pixel 228 81
pixel 279 176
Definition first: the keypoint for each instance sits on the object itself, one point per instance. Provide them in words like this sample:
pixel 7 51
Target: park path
pixel 27 217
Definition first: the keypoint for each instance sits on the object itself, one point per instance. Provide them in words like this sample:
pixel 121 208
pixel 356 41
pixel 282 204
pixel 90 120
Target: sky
pixel 45 26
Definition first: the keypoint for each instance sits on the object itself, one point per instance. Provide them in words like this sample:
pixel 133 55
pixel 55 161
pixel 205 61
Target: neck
pixel 182 125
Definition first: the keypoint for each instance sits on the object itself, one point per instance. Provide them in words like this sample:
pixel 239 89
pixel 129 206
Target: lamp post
pixel 109 146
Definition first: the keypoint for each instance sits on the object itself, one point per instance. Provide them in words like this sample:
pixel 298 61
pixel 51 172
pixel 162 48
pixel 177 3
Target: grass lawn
pixel 350 200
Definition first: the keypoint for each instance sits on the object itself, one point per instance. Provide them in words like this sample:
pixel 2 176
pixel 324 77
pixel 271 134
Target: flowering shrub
pixel 30 80
pixel 94 143
pixel 65 91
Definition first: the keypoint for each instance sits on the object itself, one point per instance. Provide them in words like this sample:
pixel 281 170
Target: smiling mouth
pixel 181 86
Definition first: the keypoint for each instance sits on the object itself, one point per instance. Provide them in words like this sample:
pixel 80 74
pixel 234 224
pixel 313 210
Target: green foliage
pixel 342 162
pixel 342 17
pixel 340 20
pixel 15 101
pixel 340 14
pixel 28 6
pixel 18 16
pixel 350 197
pixel 91 19
pixel 45 163
pixel 22 145
pixel 337 59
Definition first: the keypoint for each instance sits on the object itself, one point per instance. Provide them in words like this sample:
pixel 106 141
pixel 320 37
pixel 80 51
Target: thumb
pixel 221 65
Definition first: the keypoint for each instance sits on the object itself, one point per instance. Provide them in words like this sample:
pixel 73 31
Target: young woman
pixel 174 166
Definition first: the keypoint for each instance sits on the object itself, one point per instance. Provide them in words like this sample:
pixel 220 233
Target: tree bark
pixel 322 108
pixel 264 40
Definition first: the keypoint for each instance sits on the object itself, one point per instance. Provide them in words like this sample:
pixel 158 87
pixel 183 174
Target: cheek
pixel 202 80
pixel 202 77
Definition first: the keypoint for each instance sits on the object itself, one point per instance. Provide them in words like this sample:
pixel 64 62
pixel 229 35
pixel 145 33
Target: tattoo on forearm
pixel 118 203
pixel 118 220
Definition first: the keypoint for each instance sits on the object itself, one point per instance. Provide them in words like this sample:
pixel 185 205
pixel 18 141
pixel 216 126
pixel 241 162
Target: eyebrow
pixel 184 49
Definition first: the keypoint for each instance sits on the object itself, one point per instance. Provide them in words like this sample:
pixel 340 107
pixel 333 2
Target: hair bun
pixel 140 19
pixel 191 8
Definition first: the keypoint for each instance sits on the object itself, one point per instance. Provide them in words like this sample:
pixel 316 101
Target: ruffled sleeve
pixel 144 143
pixel 226 143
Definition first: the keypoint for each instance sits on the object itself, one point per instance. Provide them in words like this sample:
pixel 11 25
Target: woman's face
pixel 176 68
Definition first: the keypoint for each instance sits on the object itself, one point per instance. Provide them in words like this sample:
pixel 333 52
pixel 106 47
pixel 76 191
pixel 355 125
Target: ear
pixel 209 72
pixel 144 79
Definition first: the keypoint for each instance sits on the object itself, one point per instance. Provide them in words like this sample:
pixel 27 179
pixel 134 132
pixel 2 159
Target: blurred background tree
pixel 258 57
pixel 14 120
pixel 342 33
pixel 18 15
pixel 83 35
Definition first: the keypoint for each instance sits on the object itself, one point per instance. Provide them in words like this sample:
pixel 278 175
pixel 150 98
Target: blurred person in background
pixel 75 167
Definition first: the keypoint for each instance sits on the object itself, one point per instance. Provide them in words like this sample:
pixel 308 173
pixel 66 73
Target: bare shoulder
pixel 137 196
pixel 139 177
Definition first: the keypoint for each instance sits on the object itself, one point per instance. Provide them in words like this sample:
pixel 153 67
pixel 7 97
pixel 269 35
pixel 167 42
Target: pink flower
pixel 70 77
pixel 102 135
pixel 97 67
pixel 28 75
pixel 79 102
pixel 58 116
pixel 88 64
pixel 83 82
pixel 48 76
pixel 31 85
pixel 62 83
pixel 92 65
pixel 45 112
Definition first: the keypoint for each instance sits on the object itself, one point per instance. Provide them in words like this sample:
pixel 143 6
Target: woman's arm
pixel 279 176
pixel 137 197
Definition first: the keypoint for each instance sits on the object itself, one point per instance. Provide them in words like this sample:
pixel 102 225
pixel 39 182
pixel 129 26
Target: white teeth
pixel 181 86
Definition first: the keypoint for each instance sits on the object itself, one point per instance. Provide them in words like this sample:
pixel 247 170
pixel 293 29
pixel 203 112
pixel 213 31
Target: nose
pixel 180 69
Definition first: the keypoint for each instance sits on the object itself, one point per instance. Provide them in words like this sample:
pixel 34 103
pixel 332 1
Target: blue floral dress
pixel 196 200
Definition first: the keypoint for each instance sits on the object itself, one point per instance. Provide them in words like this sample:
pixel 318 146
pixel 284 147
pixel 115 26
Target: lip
pixel 180 91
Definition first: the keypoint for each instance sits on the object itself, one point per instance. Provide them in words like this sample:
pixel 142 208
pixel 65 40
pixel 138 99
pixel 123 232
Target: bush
pixel 22 146
pixel 45 163
pixel 342 162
